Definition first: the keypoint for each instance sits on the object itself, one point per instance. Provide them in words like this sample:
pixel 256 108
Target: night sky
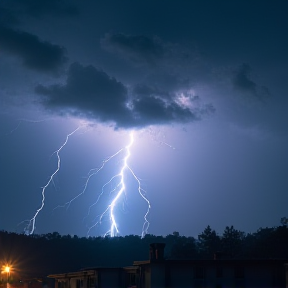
pixel 203 85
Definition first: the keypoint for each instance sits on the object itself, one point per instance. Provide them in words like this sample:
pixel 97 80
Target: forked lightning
pixel 30 227
pixel 119 189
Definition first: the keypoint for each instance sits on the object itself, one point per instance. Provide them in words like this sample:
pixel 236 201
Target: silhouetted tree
pixel 184 248
pixel 209 243
pixel 284 221
pixel 40 255
pixel 262 243
pixel 231 241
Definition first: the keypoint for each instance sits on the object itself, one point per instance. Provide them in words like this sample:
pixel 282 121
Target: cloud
pixel 168 66
pixel 242 81
pixel 35 54
pixel 93 94
pixel 152 105
pixel 88 93
pixel 139 49
pixel 151 51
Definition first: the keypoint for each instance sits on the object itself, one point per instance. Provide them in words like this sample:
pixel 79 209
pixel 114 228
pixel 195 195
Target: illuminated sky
pixel 202 83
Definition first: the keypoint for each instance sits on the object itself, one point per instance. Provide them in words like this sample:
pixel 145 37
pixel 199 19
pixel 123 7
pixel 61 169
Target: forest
pixel 41 255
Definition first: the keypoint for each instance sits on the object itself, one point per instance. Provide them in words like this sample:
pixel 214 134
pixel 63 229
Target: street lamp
pixel 6 269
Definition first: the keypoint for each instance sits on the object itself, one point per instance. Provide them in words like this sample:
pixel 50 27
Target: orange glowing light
pixel 6 269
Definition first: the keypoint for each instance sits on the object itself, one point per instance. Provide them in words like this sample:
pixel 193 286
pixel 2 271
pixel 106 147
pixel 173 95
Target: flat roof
pixel 212 262
pixel 82 272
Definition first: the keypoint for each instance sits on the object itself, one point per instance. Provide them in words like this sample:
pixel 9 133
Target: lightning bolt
pixel 30 227
pixel 119 189
pixel 91 173
pixel 120 186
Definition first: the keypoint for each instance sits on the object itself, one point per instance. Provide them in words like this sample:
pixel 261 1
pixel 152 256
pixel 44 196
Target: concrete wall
pixel 180 275
pixel 157 275
pixel 111 278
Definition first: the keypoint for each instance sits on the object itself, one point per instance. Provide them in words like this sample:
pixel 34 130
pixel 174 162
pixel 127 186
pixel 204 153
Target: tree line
pixel 40 255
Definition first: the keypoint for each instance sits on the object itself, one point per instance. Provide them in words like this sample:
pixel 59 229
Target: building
pixel 158 272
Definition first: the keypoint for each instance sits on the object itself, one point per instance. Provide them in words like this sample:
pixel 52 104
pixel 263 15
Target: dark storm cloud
pixel 152 109
pixel 152 51
pixel 140 49
pixel 153 104
pixel 165 66
pixel 91 93
pixel 242 81
pixel 88 93
pixel 35 54
pixel 144 90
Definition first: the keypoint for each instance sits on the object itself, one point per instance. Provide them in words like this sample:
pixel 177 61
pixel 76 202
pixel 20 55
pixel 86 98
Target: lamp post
pixel 7 271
